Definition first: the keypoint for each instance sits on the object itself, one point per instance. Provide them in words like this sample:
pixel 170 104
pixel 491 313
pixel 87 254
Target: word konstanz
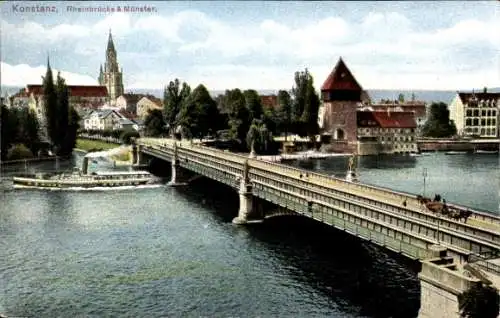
pixel 33 9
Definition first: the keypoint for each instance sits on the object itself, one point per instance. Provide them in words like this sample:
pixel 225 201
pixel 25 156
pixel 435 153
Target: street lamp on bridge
pixel 424 174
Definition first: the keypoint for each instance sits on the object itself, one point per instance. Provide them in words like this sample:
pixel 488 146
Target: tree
pixel 127 135
pixel 234 104
pixel 439 124
pixel 6 131
pixel 173 98
pixel 253 104
pixel 305 106
pixel 285 111
pixel 401 98
pixel 154 125
pixel 29 130
pixel 480 301
pixel 311 109
pixel 69 141
pixel 258 137
pixel 50 105
pixel 199 115
pixel 63 144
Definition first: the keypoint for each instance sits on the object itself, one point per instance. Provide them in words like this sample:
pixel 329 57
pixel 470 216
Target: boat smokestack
pixel 85 165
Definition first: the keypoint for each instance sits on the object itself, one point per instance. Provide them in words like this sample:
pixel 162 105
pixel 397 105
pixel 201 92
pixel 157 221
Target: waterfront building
pixel 146 104
pixel 349 123
pixel 111 76
pixel 476 114
pixel 386 132
pixel 418 108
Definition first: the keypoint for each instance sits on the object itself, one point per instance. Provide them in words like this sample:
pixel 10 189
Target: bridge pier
pixel 442 280
pixel 246 209
pixel 177 177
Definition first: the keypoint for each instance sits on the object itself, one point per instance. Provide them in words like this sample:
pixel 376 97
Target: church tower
pixel 111 77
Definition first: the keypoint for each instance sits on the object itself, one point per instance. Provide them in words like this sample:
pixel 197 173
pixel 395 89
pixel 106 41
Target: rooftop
pixel 341 78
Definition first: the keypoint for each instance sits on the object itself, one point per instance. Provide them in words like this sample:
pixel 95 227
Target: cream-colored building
pixel 476 114
pixel 146 104
pixel 103 120
pixel 129 102
pixel 381 132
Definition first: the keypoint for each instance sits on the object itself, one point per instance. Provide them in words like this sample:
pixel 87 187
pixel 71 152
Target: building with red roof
pixel 269 101
pixel 350 124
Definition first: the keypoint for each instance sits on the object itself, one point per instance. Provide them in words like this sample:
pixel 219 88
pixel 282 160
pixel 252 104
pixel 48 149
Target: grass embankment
pixel 97 145
pixel 94 145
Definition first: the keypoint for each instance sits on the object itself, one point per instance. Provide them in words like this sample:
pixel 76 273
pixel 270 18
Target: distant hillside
pixel 375 94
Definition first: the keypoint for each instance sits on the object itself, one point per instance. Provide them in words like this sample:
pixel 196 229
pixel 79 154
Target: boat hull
pixel 66 184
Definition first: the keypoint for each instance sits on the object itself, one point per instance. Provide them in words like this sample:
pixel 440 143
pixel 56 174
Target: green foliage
pixel 401 98
pixel 199 114
pixel 28 130
pixel 127 135
pixel 438 124
pixel 7 131
pixel 173 98
pixel 19 126
pixel 284 112
pixel 50 102
pixel 259 138
pixel 480 301
pixel 61 119
pixel 154 125
pixel 234 104
pixel 253 104
pixel 19 151
pixel 305 106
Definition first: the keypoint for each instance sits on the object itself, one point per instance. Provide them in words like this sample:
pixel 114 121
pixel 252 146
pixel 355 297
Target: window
pixel 483 122
pixel 476 112
pixel 469 112
pixel 468 122
pixel 475 122
pixel 483 112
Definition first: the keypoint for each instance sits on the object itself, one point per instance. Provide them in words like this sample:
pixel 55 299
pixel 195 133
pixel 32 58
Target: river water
pixel 173 252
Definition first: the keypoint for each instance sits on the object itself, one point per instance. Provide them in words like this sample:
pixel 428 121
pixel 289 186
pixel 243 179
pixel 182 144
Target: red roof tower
pixel 341 85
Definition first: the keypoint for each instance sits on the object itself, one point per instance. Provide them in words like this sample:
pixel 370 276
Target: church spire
pixel 111 45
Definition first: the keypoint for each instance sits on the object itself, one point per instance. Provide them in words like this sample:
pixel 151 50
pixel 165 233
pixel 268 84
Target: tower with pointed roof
pixel 111 77
pixel 341 94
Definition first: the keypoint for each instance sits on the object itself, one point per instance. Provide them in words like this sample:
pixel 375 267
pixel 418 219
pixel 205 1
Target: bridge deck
pixel 378 204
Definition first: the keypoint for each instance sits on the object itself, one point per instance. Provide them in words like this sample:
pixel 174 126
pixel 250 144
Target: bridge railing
pixel 330 181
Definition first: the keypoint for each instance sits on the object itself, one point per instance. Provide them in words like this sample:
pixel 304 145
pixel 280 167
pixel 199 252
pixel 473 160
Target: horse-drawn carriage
pixel 438 205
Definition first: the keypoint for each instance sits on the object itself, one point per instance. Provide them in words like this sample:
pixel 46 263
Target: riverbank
pixel 96 145
pixel 442 144
pixel 306 155
pixel 31 160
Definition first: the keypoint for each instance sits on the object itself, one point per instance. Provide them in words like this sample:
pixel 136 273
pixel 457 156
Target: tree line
pixel 236 115
pixel 24 136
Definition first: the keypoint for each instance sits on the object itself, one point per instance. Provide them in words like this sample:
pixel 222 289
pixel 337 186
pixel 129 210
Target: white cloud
pixel 384 50
pixel 23 74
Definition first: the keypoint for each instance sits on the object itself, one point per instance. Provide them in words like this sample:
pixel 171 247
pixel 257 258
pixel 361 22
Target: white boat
pixel 486 151
pixel 81 179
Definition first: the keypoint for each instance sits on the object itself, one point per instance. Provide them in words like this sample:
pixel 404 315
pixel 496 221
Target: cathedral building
pixel 111 77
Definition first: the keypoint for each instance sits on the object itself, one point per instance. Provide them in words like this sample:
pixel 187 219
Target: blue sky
pixel 252 44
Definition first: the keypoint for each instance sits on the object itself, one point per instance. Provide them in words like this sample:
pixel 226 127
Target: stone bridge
pixel 371 213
